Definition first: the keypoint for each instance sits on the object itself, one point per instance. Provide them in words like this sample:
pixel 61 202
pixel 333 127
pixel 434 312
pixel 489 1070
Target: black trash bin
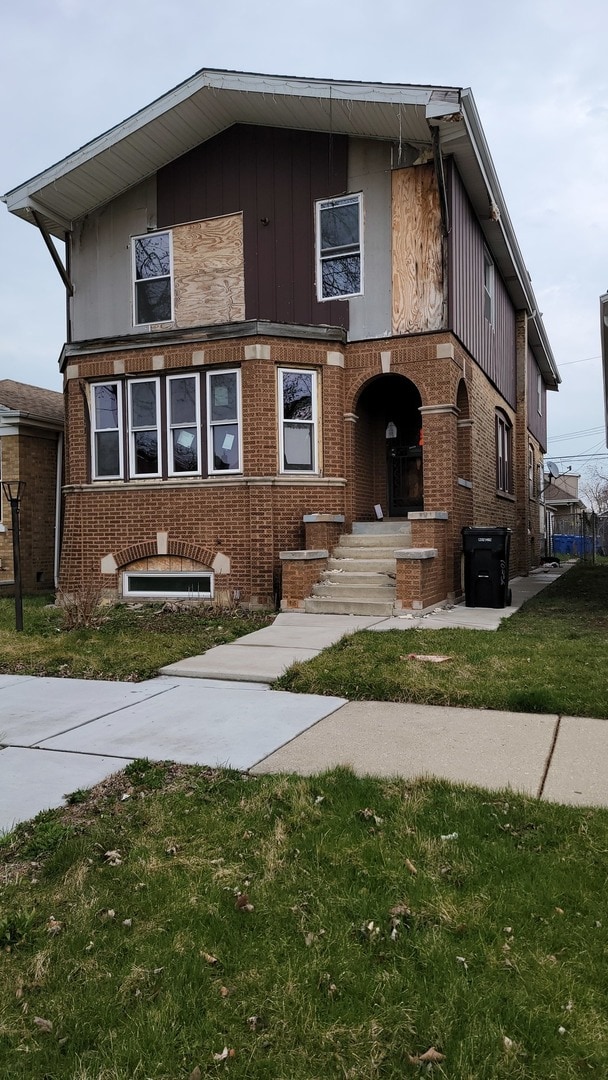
pixel 486 566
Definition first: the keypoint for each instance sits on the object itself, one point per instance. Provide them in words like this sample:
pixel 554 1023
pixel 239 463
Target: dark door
pixel 404 471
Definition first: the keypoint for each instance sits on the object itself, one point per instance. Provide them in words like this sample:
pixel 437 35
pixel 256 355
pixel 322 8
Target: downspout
pixel 58 521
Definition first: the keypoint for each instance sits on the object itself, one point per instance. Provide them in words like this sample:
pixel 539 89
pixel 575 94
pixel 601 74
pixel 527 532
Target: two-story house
pixel 295 306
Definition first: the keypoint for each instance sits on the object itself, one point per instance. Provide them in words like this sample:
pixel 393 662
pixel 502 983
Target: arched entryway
pixel 389 448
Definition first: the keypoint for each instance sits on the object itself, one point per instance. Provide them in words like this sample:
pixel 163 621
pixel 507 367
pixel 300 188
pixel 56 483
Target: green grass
pixel 347 965
pixel 551 656
pixel 130 644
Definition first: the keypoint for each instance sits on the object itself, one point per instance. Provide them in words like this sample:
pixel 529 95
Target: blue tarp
pixel 572 544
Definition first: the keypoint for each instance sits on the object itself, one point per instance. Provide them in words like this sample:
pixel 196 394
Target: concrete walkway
pixel 59 735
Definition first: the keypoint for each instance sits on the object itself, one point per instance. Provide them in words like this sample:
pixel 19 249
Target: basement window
pixel 180 586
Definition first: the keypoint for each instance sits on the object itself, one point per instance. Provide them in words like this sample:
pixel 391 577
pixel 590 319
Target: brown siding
pixel 492 347
pixel 537 424
pixel 273 176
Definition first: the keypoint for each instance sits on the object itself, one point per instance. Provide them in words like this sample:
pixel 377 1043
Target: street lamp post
pixel 13 490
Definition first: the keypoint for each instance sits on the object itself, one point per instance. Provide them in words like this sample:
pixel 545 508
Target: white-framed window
pixel 224 420
pixel 166 426
pixel 488 287
pixel 107 431
pixel 144 430
pixel 539 393
pixel 152 278
pixel 183 425
pixel 531 471
pixel 298 420
pixel 183 585
pixel 504 453
pixel 339 244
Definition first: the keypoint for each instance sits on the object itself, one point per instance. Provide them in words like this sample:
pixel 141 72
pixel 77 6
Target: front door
pixel 404 471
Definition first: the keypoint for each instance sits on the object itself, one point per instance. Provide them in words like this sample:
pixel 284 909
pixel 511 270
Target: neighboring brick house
pixel 31 433
pixel 292 301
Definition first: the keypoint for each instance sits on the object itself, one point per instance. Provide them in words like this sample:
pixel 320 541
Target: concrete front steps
pixel 360 578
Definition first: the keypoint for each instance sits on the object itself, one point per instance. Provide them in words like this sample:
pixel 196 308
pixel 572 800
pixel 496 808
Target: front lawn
pixel 551 656
pixel 131 643
pixel 183 923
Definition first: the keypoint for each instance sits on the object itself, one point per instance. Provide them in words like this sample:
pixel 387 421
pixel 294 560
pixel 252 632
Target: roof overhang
pixel 11 420
pixel 604 341
pixel 211 101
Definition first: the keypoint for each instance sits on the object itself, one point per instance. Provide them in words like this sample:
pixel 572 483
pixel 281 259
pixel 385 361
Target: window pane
pixel 107 453
pixel 143 404
pixel 297 446
pixel 152 258
pixel 153 299
pixel 223 405
pixel 341 277
pixel 183 401
pixel 225 446
pixel 106 406
pixel 185 450
pixel 146 452
pixel 297 395
pixel 170 583
pixel 340 225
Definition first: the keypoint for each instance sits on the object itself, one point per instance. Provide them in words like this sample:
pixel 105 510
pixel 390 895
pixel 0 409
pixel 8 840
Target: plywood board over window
pixel 208 271
pixel 417 271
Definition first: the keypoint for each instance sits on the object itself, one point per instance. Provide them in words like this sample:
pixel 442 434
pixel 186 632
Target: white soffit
pixel 207 104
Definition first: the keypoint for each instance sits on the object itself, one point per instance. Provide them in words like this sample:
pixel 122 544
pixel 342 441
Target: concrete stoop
pixel 360 578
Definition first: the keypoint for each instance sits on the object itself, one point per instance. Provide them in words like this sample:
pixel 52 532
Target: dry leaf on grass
pixel 43 1025
pixel 224 991
pixel 226 1053
pixel 410 866
pixel 430 1057
pixel 430 658
pixel 243 903
pixel 196 1074
pixel 53 925
pixel 208 958
pixel 113 858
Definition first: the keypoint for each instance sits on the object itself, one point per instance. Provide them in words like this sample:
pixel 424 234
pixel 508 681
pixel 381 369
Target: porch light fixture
pixel 13 492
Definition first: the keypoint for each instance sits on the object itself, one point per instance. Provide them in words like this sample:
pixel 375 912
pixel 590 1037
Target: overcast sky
pixel 70 69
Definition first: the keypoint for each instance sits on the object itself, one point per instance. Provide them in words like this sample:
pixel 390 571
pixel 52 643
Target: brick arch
pixel 462 400
pixel 365 379
pixel 148 548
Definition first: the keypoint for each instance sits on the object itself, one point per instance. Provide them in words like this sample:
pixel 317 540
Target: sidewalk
pixel 59 735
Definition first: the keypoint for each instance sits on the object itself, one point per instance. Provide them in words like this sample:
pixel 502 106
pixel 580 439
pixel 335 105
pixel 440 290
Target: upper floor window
pixel 539 393
pixel 157 427
pixel 152 278
pixel 298 420
pixel 339 247
pixel 531 471
pixel 504 453
pixel 488 287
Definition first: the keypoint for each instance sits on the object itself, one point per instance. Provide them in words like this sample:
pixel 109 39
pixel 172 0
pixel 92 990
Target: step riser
pixel 378 527
pixel 344 552
pixel 341 577
pixel 369 566
pixel 377 540
pixel 354 592
pixel 316 606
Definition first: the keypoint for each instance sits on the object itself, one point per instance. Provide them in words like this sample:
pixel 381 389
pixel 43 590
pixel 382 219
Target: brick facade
pixel 31 455
pixel 250 517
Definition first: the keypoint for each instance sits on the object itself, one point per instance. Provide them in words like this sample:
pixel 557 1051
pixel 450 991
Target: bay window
pixel 160 427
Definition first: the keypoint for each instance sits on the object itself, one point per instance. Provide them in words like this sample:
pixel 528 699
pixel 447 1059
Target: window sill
pixel 505 495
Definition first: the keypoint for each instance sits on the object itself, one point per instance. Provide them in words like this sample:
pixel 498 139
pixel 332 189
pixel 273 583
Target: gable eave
pixel 202 107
